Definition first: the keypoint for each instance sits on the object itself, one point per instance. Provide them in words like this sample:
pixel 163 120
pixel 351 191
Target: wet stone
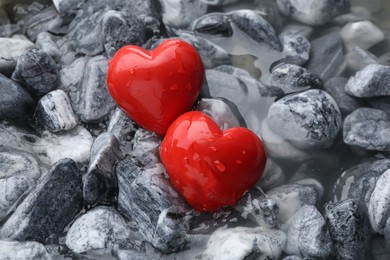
pixel 296 48
pixel 270 11
pixel 10 50
pixel 367 128
pixel 346 103
pixel 54 111
pixel 15 102
pixel 96 102
pixel 221 112
pixel 372 81
pixel 313 12
pixel 146 197
pixel 37 70
pixel 23 250
pixel 363 34
pixel 18 164
pixel 348 228
pixel 245 243
pixel 180 14
pixel 146 146
pixel 292 78
pixel 379 205
pixel 12 190
pixel 99 228
pixel 47 209
pixel 310 120
pixel 326 56
pixel 215 24
pixel 307 235
pixel 100 180
pixel 47 42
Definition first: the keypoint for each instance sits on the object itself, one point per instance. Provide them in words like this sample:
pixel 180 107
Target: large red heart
pixel 155 87
pixel 211 168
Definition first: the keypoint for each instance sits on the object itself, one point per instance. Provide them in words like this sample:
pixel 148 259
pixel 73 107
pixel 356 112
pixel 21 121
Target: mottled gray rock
pixel 291 197
pixel 296 48
pixel 386 232
pixel 123 128
pixel 358 58
pixel 47 42
pixel 12 191
pixel 245 243
pixel 221 112
pixel 292 78
pixel 146 196
pixel 310 120
pixel 372 81
pixel 100 180
pixel 367 128
pixel 307 235
pixel 145 147
pixel 270 11
pixel 65 7
pixel 96 102
pixel 348 229
pixel 326 56
pixel 219 2
pixel 363 34
pixel 15 102
pixel 54 111
pixel 37 70
pixel 215 24
pixel 346 103
pixel 379 205
pixel 120 31
pixel 272 177
pixel 181 13
pixel 313 12
pixel 18 164
pixel 99 228
pixel 23 250
pixel 10 50
pixel 51 206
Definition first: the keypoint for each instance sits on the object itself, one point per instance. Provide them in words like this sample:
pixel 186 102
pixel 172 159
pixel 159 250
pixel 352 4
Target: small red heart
pixel 211 168
pixel 155 87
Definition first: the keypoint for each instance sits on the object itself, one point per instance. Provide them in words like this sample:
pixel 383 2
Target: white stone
pixel 23 250
pixel 180 13
pixel 363 34
pixel 10 50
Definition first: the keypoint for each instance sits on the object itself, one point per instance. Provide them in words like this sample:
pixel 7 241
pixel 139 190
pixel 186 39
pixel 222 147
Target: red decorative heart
pixel 211 168
pixel 155 87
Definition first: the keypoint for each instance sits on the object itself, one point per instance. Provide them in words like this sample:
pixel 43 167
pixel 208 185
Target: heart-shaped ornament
pixel 155 87
pixel 211 168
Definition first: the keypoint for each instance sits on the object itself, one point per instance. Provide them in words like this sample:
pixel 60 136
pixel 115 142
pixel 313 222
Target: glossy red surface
pixel 211 168
pixel 155 87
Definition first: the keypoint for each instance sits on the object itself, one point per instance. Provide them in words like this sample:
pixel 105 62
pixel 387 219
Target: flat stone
pixel 15 102
pixel 181 13
pixel 372 81
pixel 18 164
pixel 296 48
pixel 47 209
pixel 312 12
pixel 348 228
pixel 367 128
pixel 99 228
pixel 363 34
pixel 10 50
pixel 23 250
pixel 54 111
pixel 309 120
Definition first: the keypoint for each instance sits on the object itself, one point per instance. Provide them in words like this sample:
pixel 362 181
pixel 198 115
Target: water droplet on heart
pixel 220 166
pixel 173 87
pixel 209 139
pixel 238 161
pixel 186 161
pixel 128 84
pixel 188 86
pixel 131 71
pixel 213 148
pixel 243 152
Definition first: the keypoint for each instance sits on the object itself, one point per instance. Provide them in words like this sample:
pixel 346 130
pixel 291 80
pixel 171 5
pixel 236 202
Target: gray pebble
pixel 51 206
pixel 181 13
pixel 292 78
pixel 146 197
pixel 215 24
pixel 37 70
pixel 12 191
pixel 367 128
pixel 96 101
pixel 313 12
pixel 358 58
pixel 100 228
pixel 310 120
pixel 10 50
pixel 363 34
pixel 372 81
pixel 270 12
pixel 18 164
pixel 307 235
pixel 296 48
pixel 15 102
pixel 348 229
pixel 66 7
pixel 146 146
pixel 23 250
pixel 100 180
pixel 326 56
pixel 379 205
pixel 219 2
pixel 47 42
pixel 54 111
